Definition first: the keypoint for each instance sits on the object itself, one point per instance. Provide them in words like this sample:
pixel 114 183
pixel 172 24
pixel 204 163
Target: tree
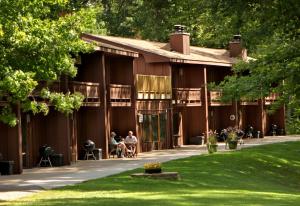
pixel 38 42
pixel 271 31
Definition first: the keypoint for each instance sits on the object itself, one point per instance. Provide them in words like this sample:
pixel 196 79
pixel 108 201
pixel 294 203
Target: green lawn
pixel 264 175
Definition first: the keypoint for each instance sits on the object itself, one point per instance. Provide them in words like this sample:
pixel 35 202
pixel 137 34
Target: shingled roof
pixel 198 55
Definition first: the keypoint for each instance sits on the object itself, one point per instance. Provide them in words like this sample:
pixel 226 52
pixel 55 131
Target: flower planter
pixel 150 171
pixel 212 148
pixel 232 144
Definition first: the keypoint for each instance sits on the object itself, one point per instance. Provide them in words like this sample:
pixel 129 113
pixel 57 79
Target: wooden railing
pixel 187 96
pixel 215 98
pixel 54 86
pixel 271 98
pixel 120 95
pixel 89 90
pixel 248 102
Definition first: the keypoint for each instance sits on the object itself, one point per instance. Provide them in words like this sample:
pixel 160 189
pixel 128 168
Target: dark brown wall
pixel 251 115
pixel 90 69
pixel 9 146
pixel 277 118
pixel 89 126
pixel 219 117
pixel 217 74
pixel 122 120
pixel 141 67
pixel 119 70
pixel 52 130
pixel 187 76
pixel 194 122
pixel 4 139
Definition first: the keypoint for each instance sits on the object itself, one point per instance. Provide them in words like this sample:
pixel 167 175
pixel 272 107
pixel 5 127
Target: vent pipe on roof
pixel 236 49
pixel 180 40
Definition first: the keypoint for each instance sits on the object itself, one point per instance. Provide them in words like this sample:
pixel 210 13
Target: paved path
pixel 38 179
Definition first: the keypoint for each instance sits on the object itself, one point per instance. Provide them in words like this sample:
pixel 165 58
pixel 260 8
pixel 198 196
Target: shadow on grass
pixel 266 175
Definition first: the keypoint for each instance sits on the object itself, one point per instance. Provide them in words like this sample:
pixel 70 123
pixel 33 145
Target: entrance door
pixel 177 128
pixel 154 129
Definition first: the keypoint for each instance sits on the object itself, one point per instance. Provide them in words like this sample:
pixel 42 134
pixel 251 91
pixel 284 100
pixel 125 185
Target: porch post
pixel 206 104
pixel 104 103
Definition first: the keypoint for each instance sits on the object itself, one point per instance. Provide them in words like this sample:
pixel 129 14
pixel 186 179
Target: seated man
pixel 121 147
pixel 131 142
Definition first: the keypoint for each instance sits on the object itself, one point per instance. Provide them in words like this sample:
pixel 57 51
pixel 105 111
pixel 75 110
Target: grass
pixel 264 175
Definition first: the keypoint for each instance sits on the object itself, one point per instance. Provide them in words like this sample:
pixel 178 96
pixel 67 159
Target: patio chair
pixel 131 150
pixel 112 150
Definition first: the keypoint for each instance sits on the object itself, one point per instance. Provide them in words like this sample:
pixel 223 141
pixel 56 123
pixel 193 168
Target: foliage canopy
pixel 39 40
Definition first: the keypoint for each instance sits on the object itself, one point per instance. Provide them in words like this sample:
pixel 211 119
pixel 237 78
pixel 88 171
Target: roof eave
pixel 189 61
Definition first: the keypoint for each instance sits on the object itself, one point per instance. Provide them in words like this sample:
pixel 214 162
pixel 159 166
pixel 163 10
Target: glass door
pixel 154 129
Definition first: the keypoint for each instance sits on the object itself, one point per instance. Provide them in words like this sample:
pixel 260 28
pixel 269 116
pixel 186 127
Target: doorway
pixel 177 128
pixel 154 129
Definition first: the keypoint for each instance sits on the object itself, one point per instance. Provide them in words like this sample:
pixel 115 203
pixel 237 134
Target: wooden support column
pixel 206 104
pixel 104 106
pixel 262 116
pixel 236 111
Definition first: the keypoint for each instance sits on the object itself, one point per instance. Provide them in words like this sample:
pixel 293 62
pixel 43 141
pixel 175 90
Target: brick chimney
pixel 236 49
pixel 179 40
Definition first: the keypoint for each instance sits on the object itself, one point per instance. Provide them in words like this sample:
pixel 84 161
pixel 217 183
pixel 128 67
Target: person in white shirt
pixel 130 139
pixel 131 142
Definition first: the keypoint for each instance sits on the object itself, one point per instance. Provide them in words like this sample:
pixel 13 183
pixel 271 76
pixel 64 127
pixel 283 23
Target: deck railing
pixel 215 98
pixel 271 98
pixel 88 89
pixel 120 95
pixel 187 96
pixel 54 86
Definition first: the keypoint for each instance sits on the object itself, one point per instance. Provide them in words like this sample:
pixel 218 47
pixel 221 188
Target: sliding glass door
pixel 154 128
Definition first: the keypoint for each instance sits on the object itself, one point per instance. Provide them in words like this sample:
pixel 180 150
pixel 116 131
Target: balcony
pixel 214 99
pixel 120 95
pixel 245 102
pixel 187 96
pixel 271 98
pixel 54 86
pixel 89 90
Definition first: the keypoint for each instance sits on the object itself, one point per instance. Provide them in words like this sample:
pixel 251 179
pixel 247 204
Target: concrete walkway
pixel 38 179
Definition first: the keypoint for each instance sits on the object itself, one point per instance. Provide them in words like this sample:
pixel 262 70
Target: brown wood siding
pixel 217 74
pixel 89 126
pixel 219 117
pixel 277 118
pixel 141 67
pixel 194 121
pixel 90 69
pixel 10 146
pixel 122 120
pixel 251 116
pixel 51 130
pixel 187 76
pixel 119 70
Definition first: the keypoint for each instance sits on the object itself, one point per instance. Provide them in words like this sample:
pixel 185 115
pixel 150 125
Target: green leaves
pixel 39 40
pixel 66 103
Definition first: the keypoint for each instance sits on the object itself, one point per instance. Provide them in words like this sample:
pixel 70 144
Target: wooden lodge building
pixel 157 90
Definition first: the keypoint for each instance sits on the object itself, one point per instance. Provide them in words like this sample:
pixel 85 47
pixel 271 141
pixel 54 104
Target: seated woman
pixel 121 147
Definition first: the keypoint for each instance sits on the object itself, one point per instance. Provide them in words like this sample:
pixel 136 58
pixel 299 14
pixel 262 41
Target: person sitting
pixel 131 142
pixel 120 146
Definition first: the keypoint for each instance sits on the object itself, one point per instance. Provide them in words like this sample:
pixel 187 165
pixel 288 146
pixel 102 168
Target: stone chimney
pixel 236 49
pixel 179 40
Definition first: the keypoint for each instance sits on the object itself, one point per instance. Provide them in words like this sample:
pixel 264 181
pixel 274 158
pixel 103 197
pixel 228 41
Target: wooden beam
pixel 206 104
pixel 104 105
